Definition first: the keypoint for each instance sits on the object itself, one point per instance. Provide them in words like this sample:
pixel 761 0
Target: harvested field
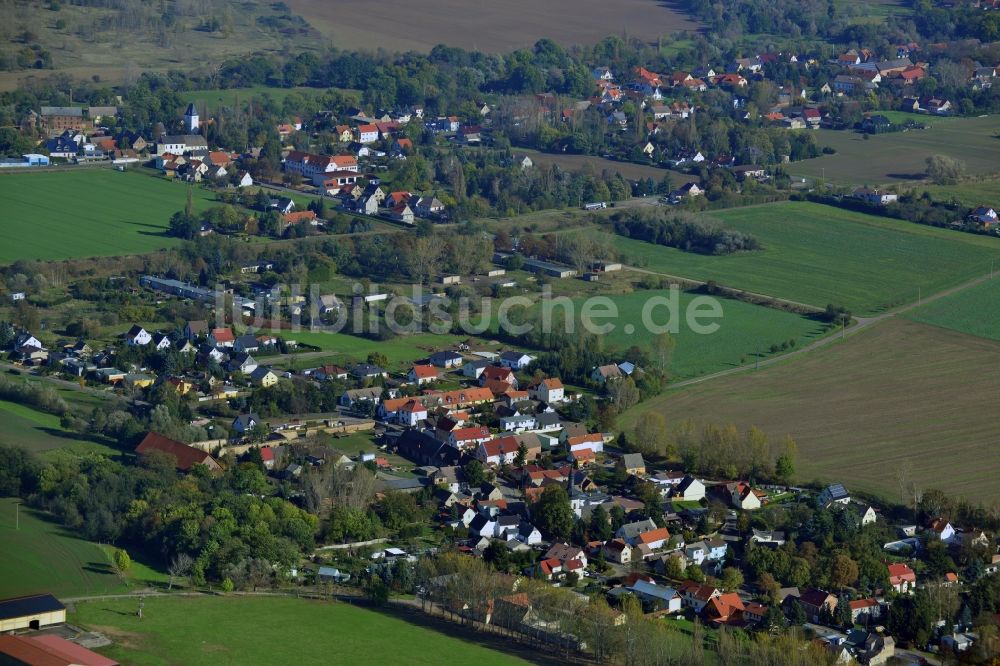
pixel 484 26
pixel 900 393
pixel 899 157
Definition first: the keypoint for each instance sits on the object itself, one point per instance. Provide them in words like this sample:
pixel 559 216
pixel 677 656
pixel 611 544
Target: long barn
pixel 32 612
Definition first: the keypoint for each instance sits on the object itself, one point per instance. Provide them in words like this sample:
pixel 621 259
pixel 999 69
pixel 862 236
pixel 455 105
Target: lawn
pixel 898 395
pixel 88 212
pixel 975 311
pixel 819 254
pixel 215 630
pixel 743 330
pixel 899 157
pixel 42 556
pixel 41 432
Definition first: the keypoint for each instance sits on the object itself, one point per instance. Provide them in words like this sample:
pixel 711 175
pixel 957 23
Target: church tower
pixel 191 118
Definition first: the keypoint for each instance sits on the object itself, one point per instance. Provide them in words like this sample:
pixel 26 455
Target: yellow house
pixel 181 386
pixel 263 377
pixel 139 380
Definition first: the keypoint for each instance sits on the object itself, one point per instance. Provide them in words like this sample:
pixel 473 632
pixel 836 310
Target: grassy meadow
pixel 819 254
pixel 900 157
pixel 743 330
pixel 975 311
pixel 971 193
pixel 42 556
pixel 89 213
pixel 41 432
pixel 898 398
pixel 215 630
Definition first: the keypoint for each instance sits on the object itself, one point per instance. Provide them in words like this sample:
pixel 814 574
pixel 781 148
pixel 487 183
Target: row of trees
pixel 683 231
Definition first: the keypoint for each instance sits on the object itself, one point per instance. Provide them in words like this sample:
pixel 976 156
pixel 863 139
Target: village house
pixel 902 578
pixel 549 391
pixel 422 374
pixel 813 601
pixel 185 457
pixel 696 596
pixel 744 497
pixel 137 336
pixel 689 489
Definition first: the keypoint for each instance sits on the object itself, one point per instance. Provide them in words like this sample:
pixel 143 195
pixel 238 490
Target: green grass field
pixel 41 432
pixel 88 212
pixel 985 192
pixel 900 157
pixel 897 395
pixel 42 556
pixel 975 311
pixel 742 330
pixel 818 254
pixel 902 117
pixel 266 631
pixel 213 99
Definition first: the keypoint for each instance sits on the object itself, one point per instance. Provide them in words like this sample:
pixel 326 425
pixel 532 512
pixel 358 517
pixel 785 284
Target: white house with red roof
pixel 548 390
pixel 309 164
pixel 743 496
pixel 499 374
pixel 221 337
pixel 865 610
pixel 367 133
pixel 411 412
pixel 697 596
pixel 902 578
pixel 593 441
pixel 941 529
pixel 422 374
pixel 500 451
pixel 467 438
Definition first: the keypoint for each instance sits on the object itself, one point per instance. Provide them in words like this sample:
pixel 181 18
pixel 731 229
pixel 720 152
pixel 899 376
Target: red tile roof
pixel 223 335
pixel 659 534
pixel 424 372
pixel 300 216
pixel 187 457
pixel 899 573
pixel 466 434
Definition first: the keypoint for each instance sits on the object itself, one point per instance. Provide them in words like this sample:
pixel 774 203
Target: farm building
pixel 48 650
pixel 32 612
pixel 186 456
pixel 548 268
